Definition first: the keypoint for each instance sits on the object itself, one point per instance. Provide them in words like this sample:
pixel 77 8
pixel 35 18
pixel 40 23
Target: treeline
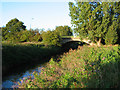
pixel 15 31
pixel 98 21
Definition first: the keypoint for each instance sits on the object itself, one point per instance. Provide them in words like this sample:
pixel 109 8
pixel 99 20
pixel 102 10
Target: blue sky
pixel 45 14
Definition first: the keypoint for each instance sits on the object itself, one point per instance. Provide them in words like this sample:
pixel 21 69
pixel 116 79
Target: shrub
pixel 51 38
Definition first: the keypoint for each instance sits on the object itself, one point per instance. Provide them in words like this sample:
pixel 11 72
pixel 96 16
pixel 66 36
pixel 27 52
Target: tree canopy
pixel 96 20
pixel 64 30
pixel 51 38
pixel 13 27
pixel 15 30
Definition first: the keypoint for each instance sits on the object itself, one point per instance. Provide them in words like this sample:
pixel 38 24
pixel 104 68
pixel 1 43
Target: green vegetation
pixel 13 27
pixel 64 30
pixel 86 67
pixel 51 38
pixel 54 37
pixel 70 36
pixel 15 55
pixel 15 31
pixel 96 21
pixel 30 36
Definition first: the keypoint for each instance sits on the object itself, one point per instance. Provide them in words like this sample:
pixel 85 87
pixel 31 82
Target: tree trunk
pixel 99 42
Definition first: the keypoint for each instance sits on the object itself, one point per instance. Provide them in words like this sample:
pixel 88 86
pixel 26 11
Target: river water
pixel 10 81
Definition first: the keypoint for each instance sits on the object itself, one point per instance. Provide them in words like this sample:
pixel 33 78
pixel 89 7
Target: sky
pixel 40 14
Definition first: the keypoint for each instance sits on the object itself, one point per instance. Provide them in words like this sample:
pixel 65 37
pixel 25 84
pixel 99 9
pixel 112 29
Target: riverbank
pixel 19 57
pixel 16 56
pixel 86 67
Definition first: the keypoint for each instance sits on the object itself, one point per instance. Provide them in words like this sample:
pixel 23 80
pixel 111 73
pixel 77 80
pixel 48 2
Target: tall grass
pixel 86 67
pixel 17 55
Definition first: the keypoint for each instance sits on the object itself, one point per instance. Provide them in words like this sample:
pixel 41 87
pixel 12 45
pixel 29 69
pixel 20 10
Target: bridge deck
pixel 65 40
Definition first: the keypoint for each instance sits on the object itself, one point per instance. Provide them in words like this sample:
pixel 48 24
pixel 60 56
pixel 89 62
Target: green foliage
pixel 64 30
pixel 74 70
pixel 30 36
pixel 51 38
pixel 111 36
pixel 10 32
pixel 15 31
pixel 94 19
pixel 17 54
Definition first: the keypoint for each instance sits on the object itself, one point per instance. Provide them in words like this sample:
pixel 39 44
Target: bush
pixel 64 30
pixel 51 38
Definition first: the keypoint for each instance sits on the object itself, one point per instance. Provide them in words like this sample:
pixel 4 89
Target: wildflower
pixel 90 65
pixel 83 69
pixel 103 58
pixel 45 74
pixel 24 78
pixel 27 81
pixel 21 81
pixel 75 65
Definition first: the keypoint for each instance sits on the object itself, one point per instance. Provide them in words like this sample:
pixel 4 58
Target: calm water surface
pixel 12 80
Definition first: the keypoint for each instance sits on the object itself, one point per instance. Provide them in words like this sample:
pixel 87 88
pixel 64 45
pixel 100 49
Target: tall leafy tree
pixel 12 28
pixel 93 19
pixel 111 36
pixel 117 12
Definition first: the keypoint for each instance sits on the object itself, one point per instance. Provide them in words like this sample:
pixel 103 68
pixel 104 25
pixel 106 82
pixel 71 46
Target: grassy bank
pixel 21 54
pixel 86 67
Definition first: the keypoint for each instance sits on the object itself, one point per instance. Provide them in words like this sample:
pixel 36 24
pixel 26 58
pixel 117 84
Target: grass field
pixel 86 67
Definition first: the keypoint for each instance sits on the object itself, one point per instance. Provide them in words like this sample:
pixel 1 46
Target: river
pixel 11 80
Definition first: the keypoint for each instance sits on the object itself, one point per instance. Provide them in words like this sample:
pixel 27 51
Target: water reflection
pixel 12 80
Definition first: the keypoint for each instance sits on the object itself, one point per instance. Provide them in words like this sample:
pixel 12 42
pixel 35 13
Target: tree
pixel 64 30
pixel 93 19
pixel 117 11
pixel 111 36
pixel 51 38
pixel 15 25
pixel 30 35
pixel 12 28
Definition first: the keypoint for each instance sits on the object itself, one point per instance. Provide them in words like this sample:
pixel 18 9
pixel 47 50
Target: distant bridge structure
pixel 69 39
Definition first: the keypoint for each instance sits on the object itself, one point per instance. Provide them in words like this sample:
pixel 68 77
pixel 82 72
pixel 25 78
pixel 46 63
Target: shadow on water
pixel 72 45
pixel 19 60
